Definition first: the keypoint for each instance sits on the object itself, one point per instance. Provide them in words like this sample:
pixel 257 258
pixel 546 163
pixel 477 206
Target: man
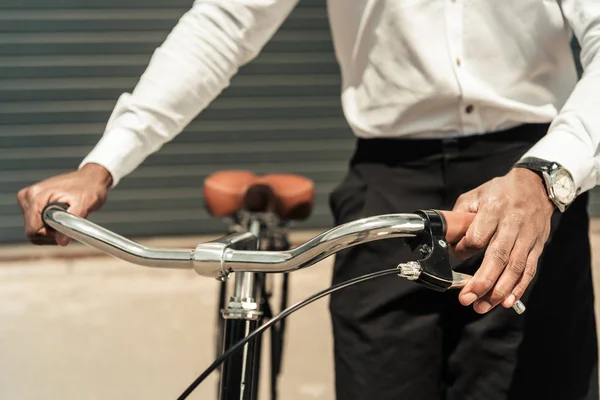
pixel 445 97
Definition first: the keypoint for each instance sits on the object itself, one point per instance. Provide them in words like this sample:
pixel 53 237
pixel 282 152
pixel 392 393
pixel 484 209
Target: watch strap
pixel 543 168
pixel 535 164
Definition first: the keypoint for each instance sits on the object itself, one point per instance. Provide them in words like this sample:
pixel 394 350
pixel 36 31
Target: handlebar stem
pixel 209 258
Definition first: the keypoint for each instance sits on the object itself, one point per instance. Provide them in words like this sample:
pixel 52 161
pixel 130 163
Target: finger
pixel 22 199
pixel 478 235
pixel 34 226
pixel 457 225
pixel 62 239
pixel 43 240
pixel 467 202
pixel 75 209
pixel 510 276
pixel 526 277
pixel 37 210
pixel 495 260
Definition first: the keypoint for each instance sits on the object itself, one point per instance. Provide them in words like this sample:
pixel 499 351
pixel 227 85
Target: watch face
pixel 563 187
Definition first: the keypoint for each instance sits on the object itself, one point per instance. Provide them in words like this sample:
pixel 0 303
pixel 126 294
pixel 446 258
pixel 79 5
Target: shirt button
pixel 458 62
pixel 469 109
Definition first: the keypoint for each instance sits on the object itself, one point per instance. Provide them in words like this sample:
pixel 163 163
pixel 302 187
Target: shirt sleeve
pixel 573 139
pixel 185 74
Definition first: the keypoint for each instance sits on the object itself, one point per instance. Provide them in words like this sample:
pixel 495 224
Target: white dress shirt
pixel 410 68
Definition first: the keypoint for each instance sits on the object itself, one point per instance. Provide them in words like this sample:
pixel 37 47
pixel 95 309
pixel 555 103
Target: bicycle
pixel 428 232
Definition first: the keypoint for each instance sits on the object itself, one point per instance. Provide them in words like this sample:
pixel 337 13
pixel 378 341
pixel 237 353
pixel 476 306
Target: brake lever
pixel 434 271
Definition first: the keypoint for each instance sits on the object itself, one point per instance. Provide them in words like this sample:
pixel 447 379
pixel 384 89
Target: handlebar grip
pixel 457 224
pixel 54 205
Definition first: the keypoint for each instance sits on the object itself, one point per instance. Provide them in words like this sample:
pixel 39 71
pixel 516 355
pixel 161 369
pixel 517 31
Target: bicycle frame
pixel 424 231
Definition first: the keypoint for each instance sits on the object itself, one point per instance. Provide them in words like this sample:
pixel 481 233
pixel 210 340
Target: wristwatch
pixel 559 182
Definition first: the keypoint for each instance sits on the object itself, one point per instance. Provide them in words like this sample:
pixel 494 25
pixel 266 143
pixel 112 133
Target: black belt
pixel 390 150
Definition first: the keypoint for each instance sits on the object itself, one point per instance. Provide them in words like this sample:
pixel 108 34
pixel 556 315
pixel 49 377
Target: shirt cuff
pixel 118 151
pixel 571 153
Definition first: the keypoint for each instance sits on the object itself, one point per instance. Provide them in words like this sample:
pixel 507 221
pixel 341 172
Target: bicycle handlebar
pixel 55 216
pixel 231 253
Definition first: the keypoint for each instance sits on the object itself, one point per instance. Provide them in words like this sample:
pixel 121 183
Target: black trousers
pixel 394 339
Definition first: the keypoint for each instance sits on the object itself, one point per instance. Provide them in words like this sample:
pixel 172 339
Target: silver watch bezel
pixel 550 180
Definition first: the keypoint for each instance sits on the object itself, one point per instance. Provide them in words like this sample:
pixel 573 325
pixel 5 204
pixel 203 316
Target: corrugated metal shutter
pixel 64 63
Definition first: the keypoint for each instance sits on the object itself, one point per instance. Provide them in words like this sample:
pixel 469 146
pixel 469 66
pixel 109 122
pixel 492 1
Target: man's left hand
pixel 513 222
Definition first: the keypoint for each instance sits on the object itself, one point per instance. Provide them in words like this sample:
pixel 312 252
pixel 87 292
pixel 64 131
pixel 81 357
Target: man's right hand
pixel 84 190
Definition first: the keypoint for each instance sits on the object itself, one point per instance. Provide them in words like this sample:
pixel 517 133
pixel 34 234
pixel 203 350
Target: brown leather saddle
pixel 288 196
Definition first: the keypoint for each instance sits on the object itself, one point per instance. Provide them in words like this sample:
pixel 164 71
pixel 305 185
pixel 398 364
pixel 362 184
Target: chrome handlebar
pixel 93 235
pixel 232 253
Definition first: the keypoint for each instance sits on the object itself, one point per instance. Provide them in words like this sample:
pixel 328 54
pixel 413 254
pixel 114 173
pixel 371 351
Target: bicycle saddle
pixel 287 195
